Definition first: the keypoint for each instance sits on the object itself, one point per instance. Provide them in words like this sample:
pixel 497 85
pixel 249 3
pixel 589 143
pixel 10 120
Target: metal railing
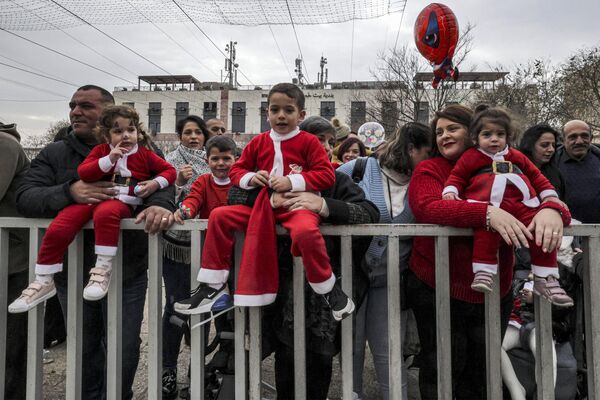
pixel 248 341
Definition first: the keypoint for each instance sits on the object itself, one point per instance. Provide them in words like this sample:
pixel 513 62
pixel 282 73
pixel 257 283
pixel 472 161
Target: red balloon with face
pixel 436 35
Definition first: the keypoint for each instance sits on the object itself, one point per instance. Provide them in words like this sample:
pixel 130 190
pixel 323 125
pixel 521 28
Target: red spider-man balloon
pixel 436 35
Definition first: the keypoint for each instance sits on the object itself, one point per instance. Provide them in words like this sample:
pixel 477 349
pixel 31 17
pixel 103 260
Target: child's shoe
pixel 550 289
pixel 341 305
pixel 34 294
pixel 482 282
pixel 97 286
pixel 205 299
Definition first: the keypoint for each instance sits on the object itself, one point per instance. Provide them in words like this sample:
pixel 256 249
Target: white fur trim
pixel 221 182
pixel 298 182
pixel 277 169
pixel 105 164
pixel 497 193
pixel 544 272
pixel 481 267
pixel 450 189
pixel 48 269
pixel 548 193
pixel 106 250
pixel 121 167
pixel 162 181
pixel 245 180
pixel 323 287
pixel 127 199
pixel 213 275
pixel 499 186
pixel 256 300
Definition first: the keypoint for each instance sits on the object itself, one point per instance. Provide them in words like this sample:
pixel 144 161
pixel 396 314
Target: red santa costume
pixel 139 164
pixel 514 187
pixel 207 193
pixel 299 156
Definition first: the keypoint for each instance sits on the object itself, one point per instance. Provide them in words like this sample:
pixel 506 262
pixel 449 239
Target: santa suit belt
pixel 123 180
pixel 500 167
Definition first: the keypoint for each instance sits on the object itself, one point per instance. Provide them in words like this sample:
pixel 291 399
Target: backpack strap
pixel 359 169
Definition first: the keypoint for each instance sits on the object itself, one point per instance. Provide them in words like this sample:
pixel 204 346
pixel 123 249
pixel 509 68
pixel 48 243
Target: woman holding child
pixel 450 127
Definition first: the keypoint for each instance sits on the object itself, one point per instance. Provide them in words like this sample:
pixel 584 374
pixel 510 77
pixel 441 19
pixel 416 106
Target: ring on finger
pixel 554 233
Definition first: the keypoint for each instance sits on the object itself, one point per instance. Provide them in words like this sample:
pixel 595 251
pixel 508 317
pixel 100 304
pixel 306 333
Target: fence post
pixel 35 328
pixel 394 318
pixel 442 307
pixel 114 353
pixel 591 283
pixel 3 303
pixel 347 337
pixel 240 330
pixel 197 334
pixel 155 308
pixel 493 344
pixel 299 330
pixel 544 377
pixel 255 352
pixel 75 319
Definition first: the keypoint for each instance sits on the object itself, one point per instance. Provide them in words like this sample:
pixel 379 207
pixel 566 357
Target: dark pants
pixel 467 338
pixel 177 287
pixel 95 340
pixel 318 373
pixel 16 341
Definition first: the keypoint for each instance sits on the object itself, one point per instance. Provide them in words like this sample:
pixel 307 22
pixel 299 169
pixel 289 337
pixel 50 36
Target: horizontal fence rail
pixel 248 320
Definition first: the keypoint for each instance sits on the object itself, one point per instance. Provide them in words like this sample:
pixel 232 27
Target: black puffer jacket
pixel 46 190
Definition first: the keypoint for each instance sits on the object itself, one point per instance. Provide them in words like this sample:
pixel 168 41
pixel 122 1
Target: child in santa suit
pixel 494 173
pixel 124 157
pixel 281 160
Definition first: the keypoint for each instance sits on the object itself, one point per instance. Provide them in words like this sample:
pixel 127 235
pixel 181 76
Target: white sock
pixel 215 286
pixel 44 278
pixel 104 262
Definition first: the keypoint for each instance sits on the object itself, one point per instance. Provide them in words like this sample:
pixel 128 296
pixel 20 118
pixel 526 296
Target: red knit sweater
pixel 205 196
pixel 425 199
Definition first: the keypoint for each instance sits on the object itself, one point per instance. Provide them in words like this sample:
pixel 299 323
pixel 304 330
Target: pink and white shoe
pixel 482 282
pixel 97 286
pixel 549 288
pixel 34 294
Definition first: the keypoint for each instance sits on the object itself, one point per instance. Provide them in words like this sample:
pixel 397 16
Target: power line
pixel 29 66
pixel 34 87
pixel 41 75
pixel 352 44
pixel 275 40
pixel 33 101
pixel 296 35
pixel 208 37
pixel 399 26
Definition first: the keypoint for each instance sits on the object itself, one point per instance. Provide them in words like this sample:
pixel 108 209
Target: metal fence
pixel 248 341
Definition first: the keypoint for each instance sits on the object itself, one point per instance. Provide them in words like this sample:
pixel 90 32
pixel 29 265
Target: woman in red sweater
pixel 450 128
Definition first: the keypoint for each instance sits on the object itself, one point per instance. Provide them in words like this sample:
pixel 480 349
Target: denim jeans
pixel 16 342
pixel 94 336
pixel 177 287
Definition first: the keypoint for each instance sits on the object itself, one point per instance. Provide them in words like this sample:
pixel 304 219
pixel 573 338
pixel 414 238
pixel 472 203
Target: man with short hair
pixel 579 163
pixel 215 127
pixel 50 185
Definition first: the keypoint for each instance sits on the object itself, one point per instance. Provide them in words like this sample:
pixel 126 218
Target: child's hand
pixel 280 183
pixel 261 178
pixel 184 175
pixel 146 188
pixel 178 217
pixel 556 200
pixel 450 196
pixel 117 153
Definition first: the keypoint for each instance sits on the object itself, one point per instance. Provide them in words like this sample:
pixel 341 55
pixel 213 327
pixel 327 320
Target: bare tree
pixel 50 135
pixel 399 94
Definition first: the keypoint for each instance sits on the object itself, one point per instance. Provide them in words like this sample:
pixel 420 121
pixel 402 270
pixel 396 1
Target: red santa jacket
pixel 489 187
pixel 205 196
pixel 298 155
pixel 139 163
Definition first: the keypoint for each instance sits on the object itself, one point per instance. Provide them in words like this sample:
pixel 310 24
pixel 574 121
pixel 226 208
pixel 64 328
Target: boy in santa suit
pixel 124 157
pixel 494 173
pixel 280 160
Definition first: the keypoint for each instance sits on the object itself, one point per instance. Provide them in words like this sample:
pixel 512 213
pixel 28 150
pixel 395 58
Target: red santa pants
pixel 258 281
pixel 486 244
pixel 107 217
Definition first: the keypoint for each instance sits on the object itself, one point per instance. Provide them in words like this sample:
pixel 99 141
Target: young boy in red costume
pixel 280 160
pixel 494 172
pixel 124 157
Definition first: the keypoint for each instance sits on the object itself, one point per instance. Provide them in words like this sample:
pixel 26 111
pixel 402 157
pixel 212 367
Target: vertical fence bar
pixel 255 353
pixel 299 331
pixel 347 342
pixel 197 334
pixel 35 327
pixel 114 351
pixel 442 307
pixel 155 307
pixel 394 319
pixel 75 319
pixel 493 343
pixel 544 377
pixel 591 282
pixel 3 304
pixel 240 330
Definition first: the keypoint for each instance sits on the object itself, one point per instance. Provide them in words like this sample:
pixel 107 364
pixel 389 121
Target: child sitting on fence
pixel 280 160
pixel 495 173
pixel 124 159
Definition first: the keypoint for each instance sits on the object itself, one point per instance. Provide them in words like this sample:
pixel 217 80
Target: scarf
pixel 177 243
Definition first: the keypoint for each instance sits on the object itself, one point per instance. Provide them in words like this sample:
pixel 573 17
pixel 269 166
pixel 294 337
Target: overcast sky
pixel 507 32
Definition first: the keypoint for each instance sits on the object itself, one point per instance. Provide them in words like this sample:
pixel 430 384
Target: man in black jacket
pixel 50 185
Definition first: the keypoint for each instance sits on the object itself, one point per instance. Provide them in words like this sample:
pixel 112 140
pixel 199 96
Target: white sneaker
pixel 97 286
pixel 34 294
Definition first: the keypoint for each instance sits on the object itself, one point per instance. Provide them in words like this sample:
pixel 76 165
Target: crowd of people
pixel 463 170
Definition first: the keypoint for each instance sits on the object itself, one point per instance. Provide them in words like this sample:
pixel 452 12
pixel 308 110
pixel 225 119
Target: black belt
pixel 124 181
pixel 500 167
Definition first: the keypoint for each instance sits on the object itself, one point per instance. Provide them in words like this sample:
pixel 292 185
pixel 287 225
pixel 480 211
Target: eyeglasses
pixel 218 128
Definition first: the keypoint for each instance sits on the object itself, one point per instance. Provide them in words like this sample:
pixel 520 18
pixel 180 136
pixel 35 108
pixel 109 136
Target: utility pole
pixel 298 71
pixel 322 80
pixel 230 65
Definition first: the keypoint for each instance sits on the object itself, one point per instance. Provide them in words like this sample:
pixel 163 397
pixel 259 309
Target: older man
pixel 51 184
pixel 215 127
pixel 579 162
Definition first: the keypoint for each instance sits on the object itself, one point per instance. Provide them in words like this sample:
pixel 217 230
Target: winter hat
pixel 341 131
pixel 11 129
